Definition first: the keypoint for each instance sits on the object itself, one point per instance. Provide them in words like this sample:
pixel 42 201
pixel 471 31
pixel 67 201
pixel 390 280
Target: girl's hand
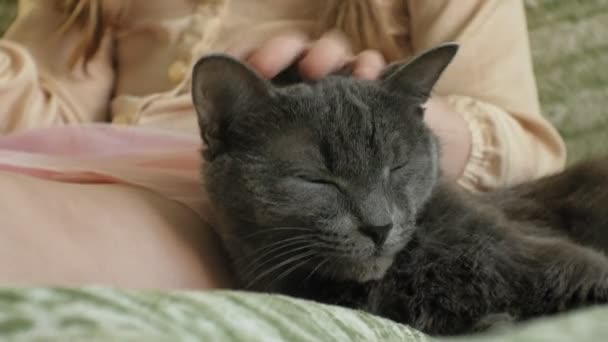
pixel 315 59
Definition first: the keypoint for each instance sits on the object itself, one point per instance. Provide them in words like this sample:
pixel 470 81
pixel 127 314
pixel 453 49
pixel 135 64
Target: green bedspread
pixel 94 314
pixel 109 315
pixel 569 40
pixel 570 48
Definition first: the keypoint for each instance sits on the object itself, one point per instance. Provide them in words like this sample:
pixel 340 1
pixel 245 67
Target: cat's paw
pixel 494 321
pixel 593 296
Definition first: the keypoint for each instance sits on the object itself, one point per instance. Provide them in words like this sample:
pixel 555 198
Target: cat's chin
pixel 361 271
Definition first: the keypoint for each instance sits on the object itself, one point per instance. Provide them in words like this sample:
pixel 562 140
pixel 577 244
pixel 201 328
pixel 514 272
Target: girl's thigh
pixel 66 234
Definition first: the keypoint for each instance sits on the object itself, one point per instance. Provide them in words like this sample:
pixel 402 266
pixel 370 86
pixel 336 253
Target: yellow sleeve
pixel 37 85
pixel 491 83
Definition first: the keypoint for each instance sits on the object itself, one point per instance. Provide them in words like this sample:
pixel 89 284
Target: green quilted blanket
pixel 570 49
pixel 569 40
pixel 94 314
pixel 44 314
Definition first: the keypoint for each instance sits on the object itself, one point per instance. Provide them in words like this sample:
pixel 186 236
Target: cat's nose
pixel 378 234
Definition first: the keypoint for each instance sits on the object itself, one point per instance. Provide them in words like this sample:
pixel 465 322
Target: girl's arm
pixel 491 85
pixel 38 86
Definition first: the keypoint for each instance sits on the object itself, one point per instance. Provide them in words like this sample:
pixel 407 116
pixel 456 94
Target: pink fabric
pixel 95 140
pixel 165 162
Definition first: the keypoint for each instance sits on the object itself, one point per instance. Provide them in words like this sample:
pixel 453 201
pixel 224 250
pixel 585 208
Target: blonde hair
pixel 89 17
pixel 360 20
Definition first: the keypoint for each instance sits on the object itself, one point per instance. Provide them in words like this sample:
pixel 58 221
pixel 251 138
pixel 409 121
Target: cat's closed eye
pixel 398 167
pixel 318 181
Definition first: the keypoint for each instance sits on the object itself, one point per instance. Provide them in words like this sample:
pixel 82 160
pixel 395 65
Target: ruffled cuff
pixel 485 168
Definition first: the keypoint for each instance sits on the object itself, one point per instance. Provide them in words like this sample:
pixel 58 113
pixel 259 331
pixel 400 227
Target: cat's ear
pixel 222 89
pixel 419 75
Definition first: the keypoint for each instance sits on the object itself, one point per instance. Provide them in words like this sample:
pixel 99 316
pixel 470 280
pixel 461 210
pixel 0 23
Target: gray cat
pixel 331 191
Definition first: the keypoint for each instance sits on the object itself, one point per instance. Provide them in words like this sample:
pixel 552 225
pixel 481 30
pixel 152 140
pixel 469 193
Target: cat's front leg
pixel 564 276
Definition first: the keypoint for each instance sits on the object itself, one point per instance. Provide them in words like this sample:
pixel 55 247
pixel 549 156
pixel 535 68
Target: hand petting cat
pixel 332 52
pixel 315 58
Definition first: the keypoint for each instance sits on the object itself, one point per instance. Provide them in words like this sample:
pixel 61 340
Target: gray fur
pixel 331 191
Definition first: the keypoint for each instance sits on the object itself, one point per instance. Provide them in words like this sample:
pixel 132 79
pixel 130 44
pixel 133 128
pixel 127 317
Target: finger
pixel 368 65
pixel 328 54
pixel 278 53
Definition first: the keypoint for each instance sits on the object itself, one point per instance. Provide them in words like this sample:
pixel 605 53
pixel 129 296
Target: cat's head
pixel 325 177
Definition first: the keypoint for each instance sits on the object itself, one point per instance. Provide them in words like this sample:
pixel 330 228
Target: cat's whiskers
pixel 280 242
pixel 275 229
pixel 278 266
pixel 305 246
pixel 294 268
pixel 313 247
pixel 260 263
pixel 259 255
pixel 326 259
